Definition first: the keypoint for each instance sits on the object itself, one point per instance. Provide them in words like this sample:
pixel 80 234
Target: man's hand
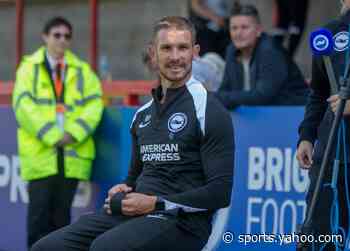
pixel 304 154
pixel 202 10
pixel 120 188
pixel 138 204
pixel 334 101
pixel 219 21
pixel 66 140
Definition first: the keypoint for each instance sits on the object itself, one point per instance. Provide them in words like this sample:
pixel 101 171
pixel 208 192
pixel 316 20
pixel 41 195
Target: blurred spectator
pixel 290 23
pixel 208 70
pixel 210 20
pixel 57 102
pixel 257 71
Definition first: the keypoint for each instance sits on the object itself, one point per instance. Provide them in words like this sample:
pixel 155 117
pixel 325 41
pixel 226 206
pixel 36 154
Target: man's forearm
pixel 209 197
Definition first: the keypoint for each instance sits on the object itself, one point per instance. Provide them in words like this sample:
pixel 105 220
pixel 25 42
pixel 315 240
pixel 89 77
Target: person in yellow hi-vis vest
pixel 58 104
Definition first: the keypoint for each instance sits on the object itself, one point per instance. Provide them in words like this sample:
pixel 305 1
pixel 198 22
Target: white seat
pixel 219 222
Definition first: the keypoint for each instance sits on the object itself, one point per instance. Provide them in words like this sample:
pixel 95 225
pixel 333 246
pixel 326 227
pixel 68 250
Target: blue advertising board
pixel 269 187
pixel 13 190
pixel 268 194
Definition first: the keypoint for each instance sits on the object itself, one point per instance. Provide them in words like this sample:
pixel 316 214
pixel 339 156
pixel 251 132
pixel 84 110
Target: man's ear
pixel 196 49
pixel 151 50
pixel 44 37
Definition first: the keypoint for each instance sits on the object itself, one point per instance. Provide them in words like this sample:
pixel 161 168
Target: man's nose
pixel 174 54
pixel 238 32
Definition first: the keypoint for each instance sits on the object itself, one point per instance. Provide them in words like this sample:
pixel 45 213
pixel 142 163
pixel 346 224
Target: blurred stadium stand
pixel 124 28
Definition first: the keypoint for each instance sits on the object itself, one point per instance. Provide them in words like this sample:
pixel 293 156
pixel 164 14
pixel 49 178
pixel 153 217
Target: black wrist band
pixel 116 203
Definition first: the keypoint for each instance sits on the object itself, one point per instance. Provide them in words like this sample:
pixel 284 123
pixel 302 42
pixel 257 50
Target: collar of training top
pixel 172 94
pixel 157 92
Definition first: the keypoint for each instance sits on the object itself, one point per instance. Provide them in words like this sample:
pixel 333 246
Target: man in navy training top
pixel 181 167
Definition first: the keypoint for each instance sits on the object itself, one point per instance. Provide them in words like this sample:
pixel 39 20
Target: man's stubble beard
pixel 164 77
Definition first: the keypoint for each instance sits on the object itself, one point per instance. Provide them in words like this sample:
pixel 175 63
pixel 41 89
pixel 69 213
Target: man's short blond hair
pixel 176 22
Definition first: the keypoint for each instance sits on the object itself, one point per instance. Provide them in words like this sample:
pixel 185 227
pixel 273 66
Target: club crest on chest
pixel 177 122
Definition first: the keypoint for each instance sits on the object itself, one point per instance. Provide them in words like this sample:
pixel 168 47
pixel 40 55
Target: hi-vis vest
pixel 34 104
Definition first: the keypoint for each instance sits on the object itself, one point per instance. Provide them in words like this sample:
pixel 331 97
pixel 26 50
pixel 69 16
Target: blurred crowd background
pixel 124 29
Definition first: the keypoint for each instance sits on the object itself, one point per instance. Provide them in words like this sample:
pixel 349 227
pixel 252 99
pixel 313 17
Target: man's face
pixel 58 39
pixel 244 31
pixel 174 52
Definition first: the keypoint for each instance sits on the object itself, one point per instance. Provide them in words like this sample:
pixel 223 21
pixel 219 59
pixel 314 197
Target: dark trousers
pixel 292 13
pixel 321 216
pixel 211 41
pixel 50 201
pixel 102 232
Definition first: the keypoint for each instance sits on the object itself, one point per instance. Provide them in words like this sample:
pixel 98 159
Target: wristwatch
pixel 160 204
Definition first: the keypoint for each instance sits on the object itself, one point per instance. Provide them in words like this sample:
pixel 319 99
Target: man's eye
pixel 166 48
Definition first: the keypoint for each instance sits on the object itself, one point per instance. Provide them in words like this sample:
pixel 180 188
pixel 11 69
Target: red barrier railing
pixel 129 90
pixel 94 27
